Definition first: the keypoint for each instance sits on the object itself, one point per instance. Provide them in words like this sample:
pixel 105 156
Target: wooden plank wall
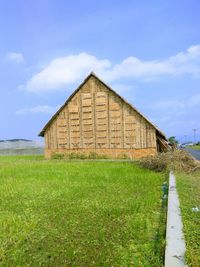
pixel 97 118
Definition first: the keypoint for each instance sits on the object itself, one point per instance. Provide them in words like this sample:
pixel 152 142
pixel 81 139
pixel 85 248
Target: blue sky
pixel 148 51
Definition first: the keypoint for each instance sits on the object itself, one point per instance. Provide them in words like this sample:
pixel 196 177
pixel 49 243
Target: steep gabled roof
pixel 110 89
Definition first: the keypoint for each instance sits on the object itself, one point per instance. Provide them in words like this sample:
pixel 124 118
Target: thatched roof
pixel 160 133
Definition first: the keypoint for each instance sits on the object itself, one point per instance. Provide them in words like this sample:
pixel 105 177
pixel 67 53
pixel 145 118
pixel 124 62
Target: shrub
pixel 81 156
pixel 58 156
pixel 92 155
pixel 72 155
pixel 102 156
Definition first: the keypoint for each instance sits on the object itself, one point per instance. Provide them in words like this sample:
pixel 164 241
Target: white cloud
pixel 70 69
pixel 16 57
pixel 183 63
pixel 38 109
pixel 65 70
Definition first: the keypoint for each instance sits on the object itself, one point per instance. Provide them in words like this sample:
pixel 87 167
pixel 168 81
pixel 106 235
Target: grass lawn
pixel 61 213
pixel 189 193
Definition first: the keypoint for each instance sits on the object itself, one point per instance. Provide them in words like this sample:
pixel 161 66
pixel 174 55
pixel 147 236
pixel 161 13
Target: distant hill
pixel 15 140
pixel 21 147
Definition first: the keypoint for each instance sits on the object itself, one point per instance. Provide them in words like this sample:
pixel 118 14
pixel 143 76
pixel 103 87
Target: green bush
pixel 102 156
pixel 81 156
pixel 92 155
pixel 58 156
pixel 72 155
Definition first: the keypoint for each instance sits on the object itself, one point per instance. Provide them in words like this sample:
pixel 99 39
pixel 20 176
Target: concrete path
pixel 175 243
pixel 194 153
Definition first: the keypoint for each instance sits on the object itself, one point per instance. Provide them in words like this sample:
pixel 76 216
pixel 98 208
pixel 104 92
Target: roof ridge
pixel 79 87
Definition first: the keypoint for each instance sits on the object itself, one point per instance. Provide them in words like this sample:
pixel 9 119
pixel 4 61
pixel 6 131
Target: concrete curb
pixel 175 242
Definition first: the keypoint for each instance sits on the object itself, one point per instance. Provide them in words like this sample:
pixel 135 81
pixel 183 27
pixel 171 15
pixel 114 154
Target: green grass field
pixel 61 213
pixel 189 193
pixel 22 151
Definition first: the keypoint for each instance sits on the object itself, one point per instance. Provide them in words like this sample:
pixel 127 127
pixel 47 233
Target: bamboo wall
pixel 97 119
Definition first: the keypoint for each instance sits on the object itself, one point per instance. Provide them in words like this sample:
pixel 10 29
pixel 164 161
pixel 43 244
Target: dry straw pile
pixel 177 160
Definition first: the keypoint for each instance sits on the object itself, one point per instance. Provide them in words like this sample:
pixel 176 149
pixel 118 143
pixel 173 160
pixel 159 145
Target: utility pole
pixel 194 130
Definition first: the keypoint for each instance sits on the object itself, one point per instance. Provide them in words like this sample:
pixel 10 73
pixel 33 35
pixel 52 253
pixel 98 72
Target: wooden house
pixel 96 119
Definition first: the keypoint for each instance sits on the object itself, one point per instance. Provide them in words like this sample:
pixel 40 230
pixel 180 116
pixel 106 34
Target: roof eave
pixel 41 134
